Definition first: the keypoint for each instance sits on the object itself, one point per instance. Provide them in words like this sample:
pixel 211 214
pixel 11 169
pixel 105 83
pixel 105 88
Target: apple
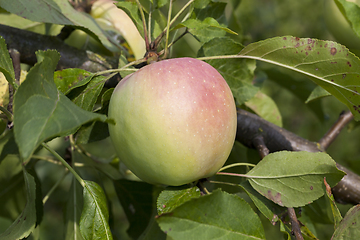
pixel 175 121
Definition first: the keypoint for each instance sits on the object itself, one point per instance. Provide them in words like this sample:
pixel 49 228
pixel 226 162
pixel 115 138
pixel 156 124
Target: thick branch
pixel 27 43
pixel 251 127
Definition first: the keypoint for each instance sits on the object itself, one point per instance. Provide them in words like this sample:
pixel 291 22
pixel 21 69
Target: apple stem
pixel 236 165
pixel 57 156
pixel 202 188
pixel 144 25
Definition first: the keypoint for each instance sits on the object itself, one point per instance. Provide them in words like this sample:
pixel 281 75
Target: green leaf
pixel 330 202
pixel 87 95
pixel 95 214
pixel 265 107
pixel 218 215
pixel 349 226
pixel 296 83
pixel 168 200
pixel 96 131
pixel 137 202
pixel 74 205
pixel 351 10
pixel 6 66
pixel 268 208
pixel 59 12
pixel 238 73
pixel 69 78
pixel 7 144
pixel 328 64
pixel 215 10
pixel 205 30
pixel 41 111
pixel 294 179
pixel 317 93
pixel 25 223
pixel 99 164
pixel 201 3
pixel 12 188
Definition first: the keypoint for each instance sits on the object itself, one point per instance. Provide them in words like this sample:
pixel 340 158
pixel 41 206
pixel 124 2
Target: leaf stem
pixel 280 65
pixel 55 186
pixel 168 30
pixel 57 156
pixel 180 12
pixel 124 68
pixel 147 40
pixel 7 113
pixel 235 174
pixel 236 165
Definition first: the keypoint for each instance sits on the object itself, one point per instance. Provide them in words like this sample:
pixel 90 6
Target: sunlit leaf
pixel 294 179
pixel 41 111
pixel 327 63
pixel 266 108
pixel 95 214
pixel 6 66
pixel 205 30
pixel 69 78
pixel 216 216
pixel 168 200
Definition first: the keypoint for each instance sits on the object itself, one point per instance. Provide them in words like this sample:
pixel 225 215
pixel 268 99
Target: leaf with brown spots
pixel 329 64
pixel 294 179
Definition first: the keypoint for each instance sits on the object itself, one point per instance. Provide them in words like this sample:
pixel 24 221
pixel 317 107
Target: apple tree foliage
pixel 60 178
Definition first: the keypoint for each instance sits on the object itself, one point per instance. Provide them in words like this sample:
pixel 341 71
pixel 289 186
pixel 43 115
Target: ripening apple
pixel 175 121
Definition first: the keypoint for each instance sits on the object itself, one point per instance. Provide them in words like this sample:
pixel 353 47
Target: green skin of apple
pixel 175 121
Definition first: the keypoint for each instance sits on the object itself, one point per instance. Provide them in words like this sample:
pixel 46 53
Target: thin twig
pixel 295 225
pixel 260 145
pixel 335 130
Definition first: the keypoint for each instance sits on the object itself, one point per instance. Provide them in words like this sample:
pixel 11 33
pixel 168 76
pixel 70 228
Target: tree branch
pixel 27 43
pixel 275 138
pixel 330 136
